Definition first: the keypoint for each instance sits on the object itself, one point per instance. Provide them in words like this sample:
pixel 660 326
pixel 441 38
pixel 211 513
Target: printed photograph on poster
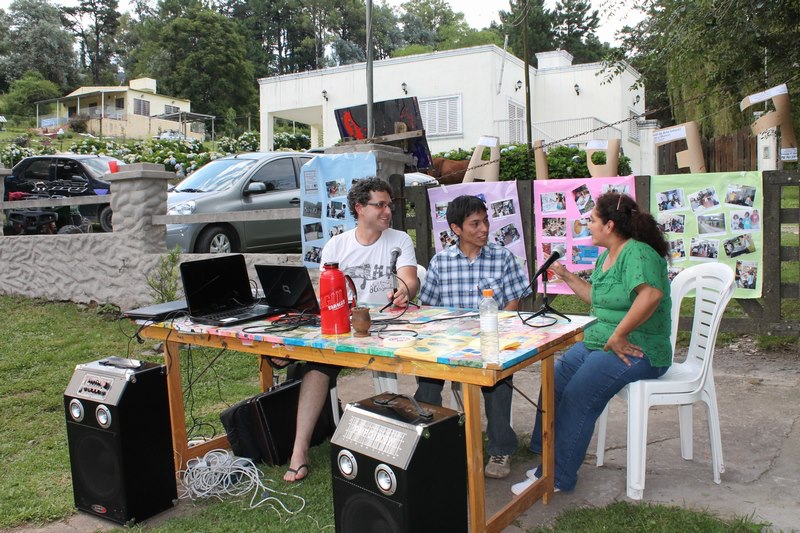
pixel 312 231
pixel 704 199
pixel 704 249
pixel 312 209
pixel 447 238
pixel 583 199
pixel 335 187
pixel 580 228
pixel 585 255
pixel 673 271
pixel 336 209
pixel 677 249
pixel 503 208
pixel 441 210
pixel 554 227
pixel 671 222
pixel 547 248
pixel 744 195
pixel 336 230
pixel 746 274
pixel 621 189
pixel 312 255
pixel 670 200
pixel 739 245
pixel 506 235
pixel 310 183
pixel 711 224
pixel 553 202
pixel 742 220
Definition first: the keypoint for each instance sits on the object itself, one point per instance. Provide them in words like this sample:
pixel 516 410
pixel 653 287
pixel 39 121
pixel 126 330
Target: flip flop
pixel 296 471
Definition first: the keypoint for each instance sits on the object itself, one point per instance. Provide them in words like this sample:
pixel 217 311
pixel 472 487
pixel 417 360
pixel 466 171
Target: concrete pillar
pixel 139 192
pixel 767 149
pixel 648 151
pixel 317 137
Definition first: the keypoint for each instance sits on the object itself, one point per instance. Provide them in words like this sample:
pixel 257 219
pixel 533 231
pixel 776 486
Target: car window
pixel 38 170
pixel 100 164
pixel 217 175
pixel 68 169
pixel 277 175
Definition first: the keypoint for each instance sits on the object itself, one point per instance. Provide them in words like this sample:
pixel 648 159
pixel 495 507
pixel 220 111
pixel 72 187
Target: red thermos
pixel 334 306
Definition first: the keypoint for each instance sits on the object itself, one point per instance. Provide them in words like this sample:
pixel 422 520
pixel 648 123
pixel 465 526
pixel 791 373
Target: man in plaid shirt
pixel 456 278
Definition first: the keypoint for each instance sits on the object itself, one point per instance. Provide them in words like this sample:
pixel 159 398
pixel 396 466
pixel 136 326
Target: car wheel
pixel 105 219
pixel 69 230
pixel 215 240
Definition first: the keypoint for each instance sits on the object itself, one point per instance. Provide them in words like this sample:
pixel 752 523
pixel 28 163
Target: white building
pixel 464 94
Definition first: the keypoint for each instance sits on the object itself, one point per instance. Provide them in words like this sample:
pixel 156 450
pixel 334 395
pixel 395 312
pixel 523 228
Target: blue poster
pixel 324 213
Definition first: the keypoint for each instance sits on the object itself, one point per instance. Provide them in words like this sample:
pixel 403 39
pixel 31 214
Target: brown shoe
pixel 498 467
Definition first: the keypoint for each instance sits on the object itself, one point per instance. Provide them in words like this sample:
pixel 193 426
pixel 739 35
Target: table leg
pixel 475 481
pixel 264 373
pixel 548 426
pixel 180 445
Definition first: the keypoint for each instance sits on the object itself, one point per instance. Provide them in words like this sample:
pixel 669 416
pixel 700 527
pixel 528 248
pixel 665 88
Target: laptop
pixel 159 312
pixel 218 292
pixel 288 287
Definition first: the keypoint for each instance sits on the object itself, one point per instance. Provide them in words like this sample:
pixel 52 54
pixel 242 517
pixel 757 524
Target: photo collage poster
pixel 324 183
pixel 561 217
pixel 502 204
pixel 713 217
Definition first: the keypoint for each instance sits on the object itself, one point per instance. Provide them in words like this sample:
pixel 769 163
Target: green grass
pixel 42 343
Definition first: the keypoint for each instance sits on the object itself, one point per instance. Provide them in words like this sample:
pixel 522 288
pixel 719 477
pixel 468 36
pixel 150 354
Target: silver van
pixel 242 182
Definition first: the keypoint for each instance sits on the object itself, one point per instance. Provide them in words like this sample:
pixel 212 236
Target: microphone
pixel 393 265
pixel 557 253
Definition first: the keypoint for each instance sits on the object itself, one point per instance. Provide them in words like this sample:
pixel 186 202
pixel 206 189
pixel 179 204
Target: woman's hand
pixel 559 269
pixel 620 345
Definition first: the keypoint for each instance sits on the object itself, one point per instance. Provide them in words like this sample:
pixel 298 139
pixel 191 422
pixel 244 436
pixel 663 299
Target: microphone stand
pixel 394 290
pixel 545 309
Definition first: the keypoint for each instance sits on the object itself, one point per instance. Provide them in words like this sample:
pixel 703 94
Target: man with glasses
pixel 364 253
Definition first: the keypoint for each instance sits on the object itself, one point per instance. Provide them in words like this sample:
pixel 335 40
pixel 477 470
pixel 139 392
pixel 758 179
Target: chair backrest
pixel 713 285
pixel 421 273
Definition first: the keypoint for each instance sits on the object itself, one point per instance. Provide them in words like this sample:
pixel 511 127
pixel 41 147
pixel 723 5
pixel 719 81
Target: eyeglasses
pixel 382 205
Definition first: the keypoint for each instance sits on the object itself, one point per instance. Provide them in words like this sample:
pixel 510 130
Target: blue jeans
pixel 585 381
pixel 497 399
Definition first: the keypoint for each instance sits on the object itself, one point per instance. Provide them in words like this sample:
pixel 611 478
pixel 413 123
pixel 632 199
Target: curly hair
pixel 630 221
pixel 361 191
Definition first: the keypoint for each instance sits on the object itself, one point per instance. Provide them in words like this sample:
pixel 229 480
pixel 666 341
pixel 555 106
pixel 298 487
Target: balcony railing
pixel 571 131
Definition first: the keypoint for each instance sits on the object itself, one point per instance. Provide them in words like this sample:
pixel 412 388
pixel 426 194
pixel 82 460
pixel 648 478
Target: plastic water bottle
pixel 489 343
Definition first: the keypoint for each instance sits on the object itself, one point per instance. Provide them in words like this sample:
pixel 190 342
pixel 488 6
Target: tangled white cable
pixel 219 473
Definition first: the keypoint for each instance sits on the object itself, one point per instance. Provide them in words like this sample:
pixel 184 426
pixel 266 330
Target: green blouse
pixel 613 294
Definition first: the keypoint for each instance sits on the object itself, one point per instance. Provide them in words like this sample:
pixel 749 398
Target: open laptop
pixel 288 287
pixel 218 291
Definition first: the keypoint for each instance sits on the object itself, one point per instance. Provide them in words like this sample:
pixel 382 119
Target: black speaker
pixel 397 468
pixel 120 439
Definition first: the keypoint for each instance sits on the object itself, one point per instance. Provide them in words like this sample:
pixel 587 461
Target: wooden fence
pixel 722 154
pixel 765 315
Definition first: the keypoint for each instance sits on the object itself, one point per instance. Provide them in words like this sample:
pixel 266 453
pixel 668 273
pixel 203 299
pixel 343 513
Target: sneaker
pixel 519 488
pixel 498 467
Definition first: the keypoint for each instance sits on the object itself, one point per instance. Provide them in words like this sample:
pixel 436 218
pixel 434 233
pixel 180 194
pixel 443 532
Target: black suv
pixel 65 175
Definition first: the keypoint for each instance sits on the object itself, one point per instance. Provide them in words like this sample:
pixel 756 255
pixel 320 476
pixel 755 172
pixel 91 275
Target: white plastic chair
pixel 387 381
pixel 684 383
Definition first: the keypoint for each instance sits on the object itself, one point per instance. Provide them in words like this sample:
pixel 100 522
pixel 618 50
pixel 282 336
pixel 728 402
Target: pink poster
pixel 502 204
pixel 561 219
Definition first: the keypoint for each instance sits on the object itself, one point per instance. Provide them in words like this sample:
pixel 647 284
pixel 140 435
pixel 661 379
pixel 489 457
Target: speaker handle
pixel 422 413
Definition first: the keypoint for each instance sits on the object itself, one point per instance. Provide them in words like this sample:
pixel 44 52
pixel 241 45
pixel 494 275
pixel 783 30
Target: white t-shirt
pixel 369 266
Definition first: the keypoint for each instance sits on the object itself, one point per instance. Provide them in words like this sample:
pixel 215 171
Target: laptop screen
pixel 216 284
pixel 288 287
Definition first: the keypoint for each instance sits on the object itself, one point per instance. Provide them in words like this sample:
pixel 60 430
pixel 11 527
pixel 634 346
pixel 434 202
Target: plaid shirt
pixel 453 281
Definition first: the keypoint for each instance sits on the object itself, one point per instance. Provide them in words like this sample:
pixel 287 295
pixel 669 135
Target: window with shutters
pixel 441 116
pixel 141 107
pixel 633 126
pixel 516 123
pixel 171 109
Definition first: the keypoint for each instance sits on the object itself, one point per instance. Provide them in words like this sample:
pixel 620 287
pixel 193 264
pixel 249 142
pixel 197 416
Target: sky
pixel 480 13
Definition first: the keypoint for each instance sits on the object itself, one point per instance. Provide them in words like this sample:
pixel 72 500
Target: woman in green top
pixel 629 294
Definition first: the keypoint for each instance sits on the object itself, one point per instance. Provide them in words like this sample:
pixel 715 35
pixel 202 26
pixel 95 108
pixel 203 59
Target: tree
pixel 386 33
pixel 95 24
pixel 575 30
pixel 30 88
pixel 423 20
pixel 34 39
pixel 540 20
pixel 202 57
